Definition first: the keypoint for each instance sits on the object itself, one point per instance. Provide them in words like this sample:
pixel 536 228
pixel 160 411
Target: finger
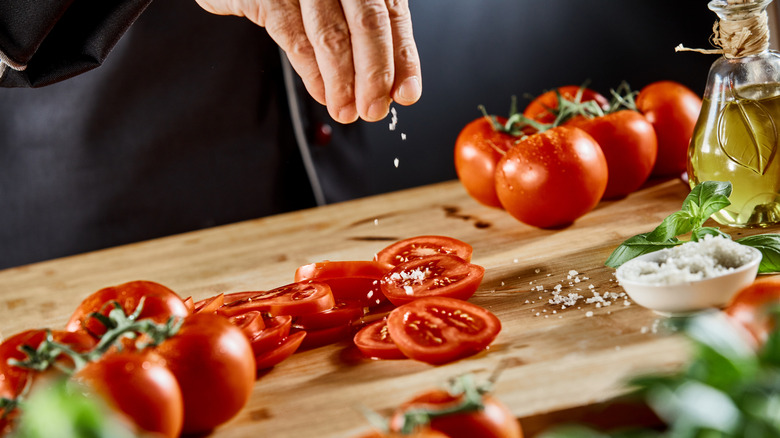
pixel 284 24
pixel 372 54
pixel 407 86
pixel 328 34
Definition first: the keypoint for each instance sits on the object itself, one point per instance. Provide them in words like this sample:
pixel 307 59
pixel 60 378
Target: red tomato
pixel 348 280
pixel 14 378
pixel 209 305
pixel 543 107
pixel 344 313
pixel 494 421
pixel 750 307
pixel 552 178
pixel 418 247
pixel 673 109
pixel 629 145
pixel 291 299
pixel 140 386
pixel 319 338
pixel 374 341
pixel 437 330
pixel 420 433
pixel 284 349
pixel 440 275
pixel 477 151
pixel 159 304
pixel 215 367
pixel 276 330
pixel 251 323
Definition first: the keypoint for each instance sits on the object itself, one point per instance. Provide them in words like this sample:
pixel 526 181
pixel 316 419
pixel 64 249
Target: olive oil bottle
pixel 736 140
pixel 736 135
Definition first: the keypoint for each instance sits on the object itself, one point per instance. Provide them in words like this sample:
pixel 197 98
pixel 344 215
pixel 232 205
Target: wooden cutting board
pixel 552 358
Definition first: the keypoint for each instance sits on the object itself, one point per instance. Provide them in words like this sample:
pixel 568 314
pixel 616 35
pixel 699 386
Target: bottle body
pixel 736 138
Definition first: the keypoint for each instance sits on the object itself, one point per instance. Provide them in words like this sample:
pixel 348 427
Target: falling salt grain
pixel 403 136
pixel 395 162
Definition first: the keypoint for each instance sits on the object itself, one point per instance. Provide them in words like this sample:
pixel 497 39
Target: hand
pixel 354 56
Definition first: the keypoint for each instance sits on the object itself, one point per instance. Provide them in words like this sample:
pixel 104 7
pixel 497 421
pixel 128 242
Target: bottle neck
pixel 743 28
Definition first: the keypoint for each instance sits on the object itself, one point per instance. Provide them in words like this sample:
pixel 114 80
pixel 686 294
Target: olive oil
pixel 736 140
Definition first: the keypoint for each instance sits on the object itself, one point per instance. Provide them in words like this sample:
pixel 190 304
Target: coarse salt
pixel 709 257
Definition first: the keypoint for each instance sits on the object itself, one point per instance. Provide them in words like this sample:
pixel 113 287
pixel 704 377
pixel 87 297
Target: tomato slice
pixel 276 329
pixel 437 330
pixel 251 323
pixel 348 280
pixel 283 350
pixel 419 247
pixel 440 275
pixel 375 342
pixel 190 303
pixel 319 338
pixel 209 305
pixel 292 299
pixel 345 312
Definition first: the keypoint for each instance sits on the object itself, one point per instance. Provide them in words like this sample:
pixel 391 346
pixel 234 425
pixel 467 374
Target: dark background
pixel 484 51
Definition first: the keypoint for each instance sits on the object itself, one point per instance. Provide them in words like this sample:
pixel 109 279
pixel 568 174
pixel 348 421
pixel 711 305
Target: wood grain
pixel 553 358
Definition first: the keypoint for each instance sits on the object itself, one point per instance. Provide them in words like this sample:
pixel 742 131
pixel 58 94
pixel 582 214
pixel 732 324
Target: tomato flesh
pixel 440 275
pixel 374 341
pixel 276 329
pixel 292 299
pixel 348 280
pixel 437 330
pixel 344 313
pixel 284 349
pixel 418 247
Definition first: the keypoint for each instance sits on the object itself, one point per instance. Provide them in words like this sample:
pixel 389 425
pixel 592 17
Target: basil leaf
pixel 635 247
pixel 769 245
pixel 673 225
pixel 706 199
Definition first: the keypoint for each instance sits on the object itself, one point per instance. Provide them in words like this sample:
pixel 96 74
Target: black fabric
pixel 184 126
pixel 57 40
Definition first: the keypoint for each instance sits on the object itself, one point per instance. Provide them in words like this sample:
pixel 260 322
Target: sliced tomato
pixel 190 303
pixel 374 341
pixel 292 299
pixel 437 330
pixel 345 312
pixel 210 305
pixel 286 348
pixel 276 329
pixel 348 280
pixel 251 323
pixel 319 338
pixel 419 247
pixel 440 275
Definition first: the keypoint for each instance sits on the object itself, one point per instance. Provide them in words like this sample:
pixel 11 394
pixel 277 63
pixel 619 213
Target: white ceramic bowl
pixel 687 297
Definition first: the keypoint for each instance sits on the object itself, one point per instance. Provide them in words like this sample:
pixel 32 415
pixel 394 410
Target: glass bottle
pixel 736 135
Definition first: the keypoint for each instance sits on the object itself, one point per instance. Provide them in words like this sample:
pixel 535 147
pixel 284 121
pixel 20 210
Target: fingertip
pixel 409 91
pixel 344 115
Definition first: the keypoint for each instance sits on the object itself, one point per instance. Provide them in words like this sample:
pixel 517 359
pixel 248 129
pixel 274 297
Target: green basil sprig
pixel 705 199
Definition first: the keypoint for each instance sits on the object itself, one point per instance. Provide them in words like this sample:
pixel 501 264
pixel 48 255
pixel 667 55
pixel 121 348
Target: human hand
pixel 354 56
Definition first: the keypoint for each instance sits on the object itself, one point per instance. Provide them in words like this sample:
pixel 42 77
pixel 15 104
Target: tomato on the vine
pixel 494 420
pixel 159 304
pixel 552 178
pixel 14 378
pixel 542 108
pixel 751 307
pixel 629 144
pixel 672 109
pixel 418 247
pixel 139 385
pixel 440 275
pixel 437 330
pixel 215 367
pixel 478 149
